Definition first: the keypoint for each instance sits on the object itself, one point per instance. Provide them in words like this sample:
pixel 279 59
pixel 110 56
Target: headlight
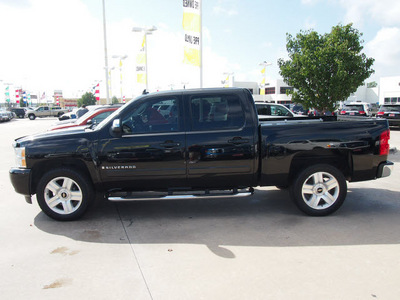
pixel 20 157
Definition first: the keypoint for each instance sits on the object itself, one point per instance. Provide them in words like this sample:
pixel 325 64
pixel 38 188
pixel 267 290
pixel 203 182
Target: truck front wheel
pixel 32 117
pixel 64 194
pixel 319 190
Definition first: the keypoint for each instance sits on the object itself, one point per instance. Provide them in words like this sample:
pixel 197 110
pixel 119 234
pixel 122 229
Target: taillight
pixel 381 113
pixel 384 143
pixel 361 112
pixel 343 112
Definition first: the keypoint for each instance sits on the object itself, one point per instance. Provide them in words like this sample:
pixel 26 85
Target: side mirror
pixel 89 122
pixel 116 126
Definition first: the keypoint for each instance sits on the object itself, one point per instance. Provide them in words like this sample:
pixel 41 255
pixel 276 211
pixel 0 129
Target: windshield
pixel 112 116
pixel 353 107
pixel 86 116
pixel 394 108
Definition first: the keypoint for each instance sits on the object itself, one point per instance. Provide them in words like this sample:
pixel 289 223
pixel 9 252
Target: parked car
pixel 137 154
pixel 374 107
pixel 356 109
pixel 45 111
pixel 268 111
pixel 5 115
pixel 391 112
pixel 18 111
pixel 298 109
pixel 91 117
pixel 69 115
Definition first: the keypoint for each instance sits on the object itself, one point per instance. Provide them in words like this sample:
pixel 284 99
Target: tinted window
pixel 277 110
pixel 101 116
pixel 353 107
pixel 216 112
pixel 390 108
pixel 263 109
pixel 146 117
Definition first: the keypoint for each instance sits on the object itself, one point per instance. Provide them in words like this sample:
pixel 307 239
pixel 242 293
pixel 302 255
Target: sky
pixel 49 45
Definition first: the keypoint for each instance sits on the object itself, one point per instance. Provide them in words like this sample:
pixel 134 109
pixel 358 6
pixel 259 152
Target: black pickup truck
pixel 209 143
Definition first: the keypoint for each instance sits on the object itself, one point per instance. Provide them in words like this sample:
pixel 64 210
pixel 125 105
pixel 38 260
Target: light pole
pixel 121 58
pixel 105 50
pixel 146 32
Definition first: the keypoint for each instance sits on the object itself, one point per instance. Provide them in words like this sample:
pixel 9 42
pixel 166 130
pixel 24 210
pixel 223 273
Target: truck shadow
pixel 266 219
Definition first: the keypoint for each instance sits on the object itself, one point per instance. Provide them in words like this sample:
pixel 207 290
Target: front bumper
pixel 21 181
pixel 385 169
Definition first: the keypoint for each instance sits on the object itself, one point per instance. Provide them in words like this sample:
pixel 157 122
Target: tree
pixel 115 100
pixel 325 69
pixel 87 99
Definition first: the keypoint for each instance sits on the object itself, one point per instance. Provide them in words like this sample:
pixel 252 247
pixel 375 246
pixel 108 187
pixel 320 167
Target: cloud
pixel 46 49
pixel 384 48
pixel 385 12
pixel 308 24
pixel 225 7
pixel 309 2
pixel 60 45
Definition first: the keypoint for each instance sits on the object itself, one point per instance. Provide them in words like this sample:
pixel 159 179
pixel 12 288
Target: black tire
pixel 319 190
pixel 70 193
pixel 59 114
pixel 31 117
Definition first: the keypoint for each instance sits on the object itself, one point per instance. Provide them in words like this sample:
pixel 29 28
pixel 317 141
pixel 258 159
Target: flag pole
pixel 105 52
pixel 201 44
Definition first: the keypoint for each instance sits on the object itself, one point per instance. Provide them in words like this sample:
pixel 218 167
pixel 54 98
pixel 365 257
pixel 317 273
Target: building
pixel 389 90
pixel 274 91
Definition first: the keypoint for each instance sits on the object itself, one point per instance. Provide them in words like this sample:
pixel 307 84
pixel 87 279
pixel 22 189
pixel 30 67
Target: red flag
pixel 17 96
pixel 97 92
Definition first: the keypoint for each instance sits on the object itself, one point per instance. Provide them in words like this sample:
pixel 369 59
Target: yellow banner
pixel 191 56
pixel 191 22
pixel 140 58
pixel 141 78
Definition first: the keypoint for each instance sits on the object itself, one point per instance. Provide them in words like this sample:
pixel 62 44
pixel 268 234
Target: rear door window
pixel 216 112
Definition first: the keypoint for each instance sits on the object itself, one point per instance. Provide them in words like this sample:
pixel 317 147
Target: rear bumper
pixel 394 122
pixel 21 180
pixel 385 169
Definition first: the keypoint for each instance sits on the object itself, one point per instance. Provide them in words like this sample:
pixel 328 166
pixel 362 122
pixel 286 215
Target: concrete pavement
pixel 261 247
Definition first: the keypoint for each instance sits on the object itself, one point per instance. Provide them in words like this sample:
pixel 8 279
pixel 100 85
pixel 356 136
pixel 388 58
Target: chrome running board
pixel 180 195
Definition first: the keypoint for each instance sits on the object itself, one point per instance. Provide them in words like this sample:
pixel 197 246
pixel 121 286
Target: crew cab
pixel 210 144
pixel 45 111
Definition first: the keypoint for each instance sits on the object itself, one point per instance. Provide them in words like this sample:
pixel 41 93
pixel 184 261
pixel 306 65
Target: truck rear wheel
pixel 64 194
pixel 319 190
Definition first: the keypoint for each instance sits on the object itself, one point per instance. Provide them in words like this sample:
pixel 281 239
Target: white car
pixel 268 111
pixel 356 109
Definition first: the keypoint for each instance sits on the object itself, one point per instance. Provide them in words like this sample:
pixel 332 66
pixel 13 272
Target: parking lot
pixel 260 247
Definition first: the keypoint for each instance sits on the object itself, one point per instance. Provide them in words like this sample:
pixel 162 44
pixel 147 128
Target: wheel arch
pixel 340 160
pixel 43 167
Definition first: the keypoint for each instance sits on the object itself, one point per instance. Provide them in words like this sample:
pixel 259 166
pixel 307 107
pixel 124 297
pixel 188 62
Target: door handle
pixel 238 140
pixel 169 144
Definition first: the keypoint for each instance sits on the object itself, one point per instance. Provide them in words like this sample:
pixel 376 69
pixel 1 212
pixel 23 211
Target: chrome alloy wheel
pixel 320 190
pixel 63 195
